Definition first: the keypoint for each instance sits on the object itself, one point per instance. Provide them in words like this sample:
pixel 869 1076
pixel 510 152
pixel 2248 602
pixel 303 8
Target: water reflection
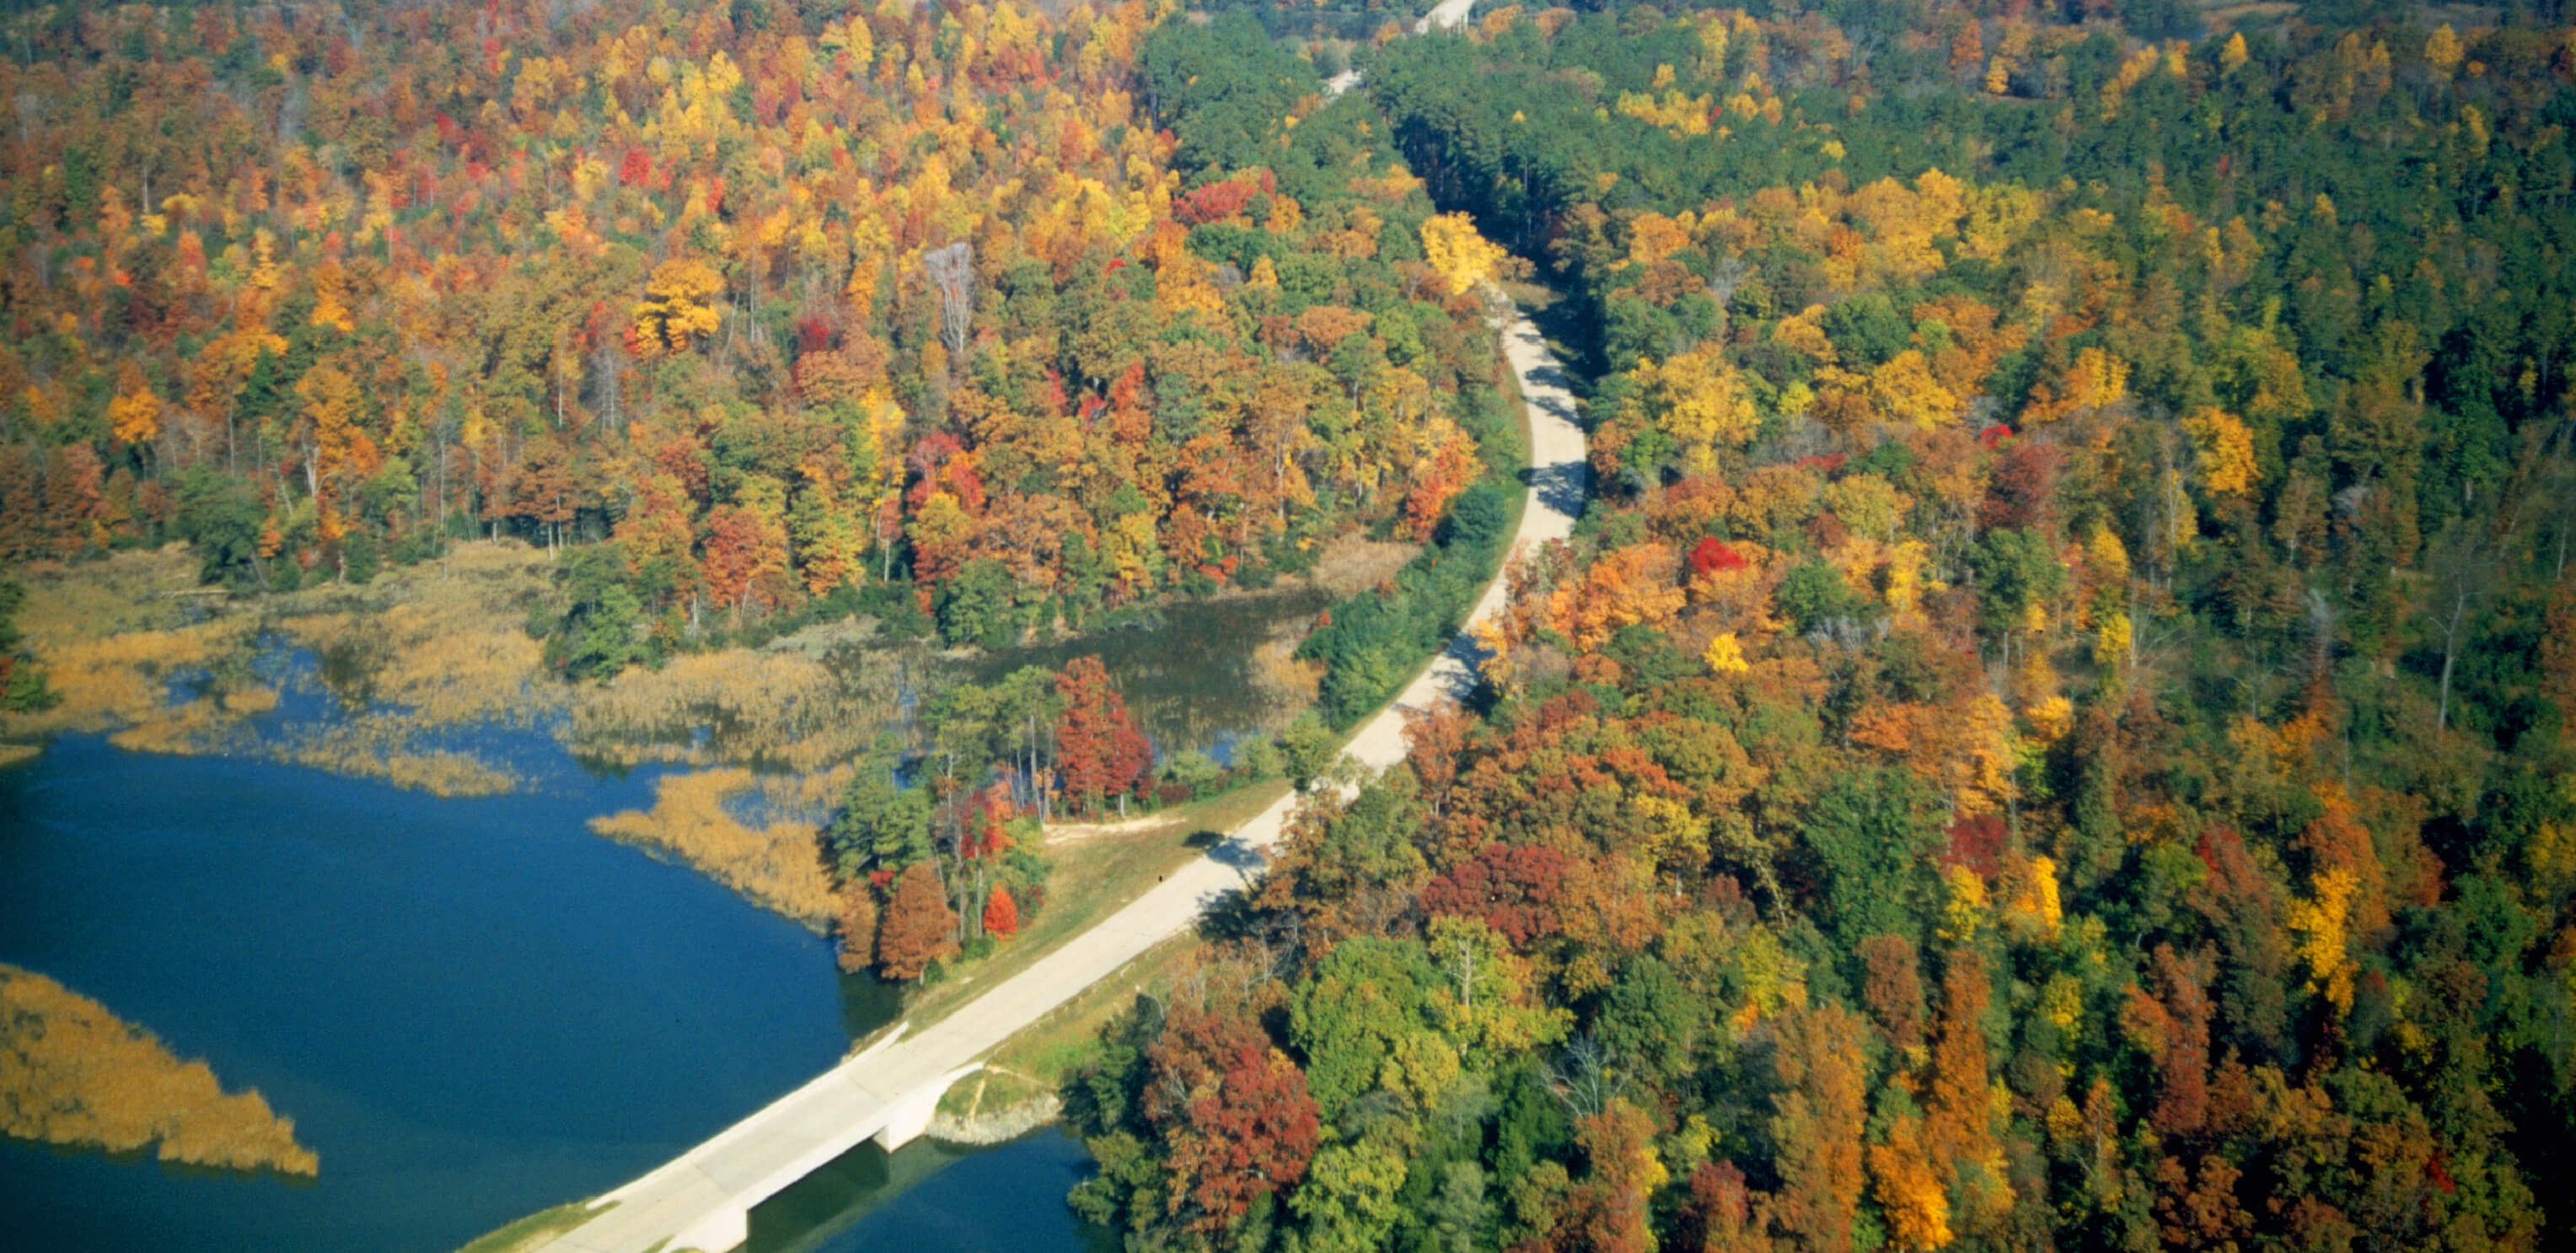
pixel 936 1198
pixel 1188 670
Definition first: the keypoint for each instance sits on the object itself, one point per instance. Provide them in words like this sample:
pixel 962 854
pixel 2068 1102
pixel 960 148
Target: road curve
pixel 797 1133
pixel 1446 15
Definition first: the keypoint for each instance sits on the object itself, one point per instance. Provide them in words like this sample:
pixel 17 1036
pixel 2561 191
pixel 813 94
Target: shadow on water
pixel 867 1003
pixel 932 1196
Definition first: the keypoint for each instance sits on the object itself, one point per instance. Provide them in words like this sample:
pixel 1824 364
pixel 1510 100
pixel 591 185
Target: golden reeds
pixel 72 1073
pixel 772 706
pixel 443 645
pixel 779 864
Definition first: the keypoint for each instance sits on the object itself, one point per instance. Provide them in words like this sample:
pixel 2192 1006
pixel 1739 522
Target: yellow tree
pixel 1905 391
pixel 1627 587
pixel 1917 1206
pixel 678 307
pixel 1460 256
pixel 2226 451
pixel 1698 401
pixel 2095 380
pixel 336 448
pixel 135 414
pixel 331 296
pixel 2442 50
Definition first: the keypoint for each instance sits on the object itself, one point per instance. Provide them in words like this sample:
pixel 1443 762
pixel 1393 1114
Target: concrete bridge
pixel 703 1199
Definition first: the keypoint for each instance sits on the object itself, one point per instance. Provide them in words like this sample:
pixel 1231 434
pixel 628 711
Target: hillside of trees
pixel 769 310
pixel 2055 733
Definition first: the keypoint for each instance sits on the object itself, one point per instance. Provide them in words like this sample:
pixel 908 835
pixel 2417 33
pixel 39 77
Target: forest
pixel 768 313
pixel 2054 732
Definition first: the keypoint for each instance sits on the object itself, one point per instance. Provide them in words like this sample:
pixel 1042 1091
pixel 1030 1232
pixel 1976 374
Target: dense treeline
pixel 1229 96
pixel 2057 734
pixel 783 308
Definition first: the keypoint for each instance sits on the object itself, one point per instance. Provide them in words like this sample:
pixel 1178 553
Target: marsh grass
pixel 1277 668
pixel 781 707
pixel 779 864
pixel 440 645
pixel 196 726
pixel 72 1073
pixel 387 749
pixel 1355 563
pixel 140 653
pixel 139 590
pixel 123 680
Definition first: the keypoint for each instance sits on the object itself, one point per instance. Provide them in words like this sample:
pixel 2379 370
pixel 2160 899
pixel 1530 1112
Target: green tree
pixel 1364 998
pixel 881 823
pixel 978 606
pixel 1813 595
pixel 221 518
pixel 1873 832
pixel 601 631
pixel 2016 572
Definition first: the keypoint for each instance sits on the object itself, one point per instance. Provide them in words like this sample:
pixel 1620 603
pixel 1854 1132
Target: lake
pixel 472 1009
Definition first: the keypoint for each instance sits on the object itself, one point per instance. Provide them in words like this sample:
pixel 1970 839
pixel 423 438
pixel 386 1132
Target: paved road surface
pixel 1446 15
pixel 801 1131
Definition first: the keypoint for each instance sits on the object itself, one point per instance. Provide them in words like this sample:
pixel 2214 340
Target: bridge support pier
pixel 911 1116
pixel 716 1231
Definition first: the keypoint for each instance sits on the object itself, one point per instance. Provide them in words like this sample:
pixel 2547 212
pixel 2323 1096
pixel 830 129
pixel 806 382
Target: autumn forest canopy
pixel 770 310
pixel 2053 732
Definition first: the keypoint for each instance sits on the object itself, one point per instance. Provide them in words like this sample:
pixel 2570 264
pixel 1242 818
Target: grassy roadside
pixel 531 1231
pixel 1092 878
pixel 1037 1061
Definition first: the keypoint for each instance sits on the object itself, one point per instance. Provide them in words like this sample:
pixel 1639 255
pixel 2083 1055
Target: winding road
pixel 703 1198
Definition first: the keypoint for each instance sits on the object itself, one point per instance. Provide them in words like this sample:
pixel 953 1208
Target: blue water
pixel 472 1009
pixel 934 1198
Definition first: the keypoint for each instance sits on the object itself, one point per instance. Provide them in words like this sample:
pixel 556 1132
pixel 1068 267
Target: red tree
pixel 858 928
pixel 1234 1110
pixel 1001 914
pixel 1976 842
pixel 1721 1216
pixel 1514 889
pixel 1713 555
pixel 919 928
pixel 984 834
pixel 1099 752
